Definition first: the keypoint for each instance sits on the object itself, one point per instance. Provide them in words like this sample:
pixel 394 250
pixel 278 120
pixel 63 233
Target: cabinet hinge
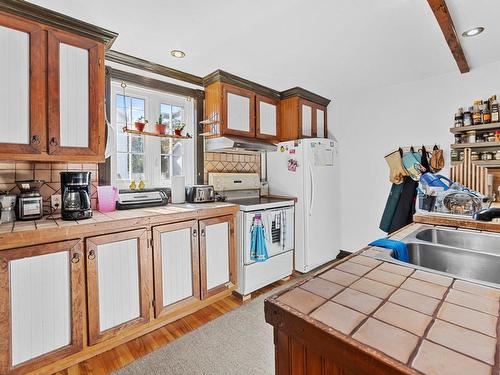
pixel 153 303
pixel 151 243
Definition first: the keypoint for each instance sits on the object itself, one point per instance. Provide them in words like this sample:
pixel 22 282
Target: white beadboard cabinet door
pixel 320 123
pixel 217 255
pixel 267 118
pixel 117 283
pixel 41 304
pixel 22 87
pixel 306 120
pixel 238 111
pixel 75 95
pixel 176 266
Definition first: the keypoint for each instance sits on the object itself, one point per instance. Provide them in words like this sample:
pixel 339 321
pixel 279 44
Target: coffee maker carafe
pixel 75 195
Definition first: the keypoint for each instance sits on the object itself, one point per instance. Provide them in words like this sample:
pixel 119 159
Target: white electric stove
pixel 278 218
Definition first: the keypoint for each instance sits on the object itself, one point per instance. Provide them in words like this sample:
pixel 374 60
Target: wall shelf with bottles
pixel 485 127
pixel 475 145
pixel 482 163
pixel 136 132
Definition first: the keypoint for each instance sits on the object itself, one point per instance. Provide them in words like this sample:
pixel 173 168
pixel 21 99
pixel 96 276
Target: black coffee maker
pixel 75 195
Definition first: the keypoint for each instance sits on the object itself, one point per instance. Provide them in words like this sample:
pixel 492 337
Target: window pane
pixel 120 115
pixel 176 165
pixel 176 114
pixel 122 172
pixel 136 115
pixel 137 163
pixel 138 104
pixel 165 146
pixel 137 144
pixel 165 110
pixel 177 148
pixel 165 167
pixel 122 142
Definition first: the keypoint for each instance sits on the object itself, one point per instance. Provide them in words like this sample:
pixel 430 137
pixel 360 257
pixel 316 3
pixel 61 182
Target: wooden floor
pixel 122 355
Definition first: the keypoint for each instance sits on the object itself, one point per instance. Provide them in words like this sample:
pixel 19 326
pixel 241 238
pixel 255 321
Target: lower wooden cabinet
pixel 176 266
pixel 41 305
pixel 217 255
pixel 117 283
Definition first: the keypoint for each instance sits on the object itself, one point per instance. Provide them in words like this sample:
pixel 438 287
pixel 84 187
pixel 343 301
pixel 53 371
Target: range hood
pixel 237 145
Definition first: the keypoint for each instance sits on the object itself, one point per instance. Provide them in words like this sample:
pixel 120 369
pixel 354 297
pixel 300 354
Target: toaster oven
pixel 200 193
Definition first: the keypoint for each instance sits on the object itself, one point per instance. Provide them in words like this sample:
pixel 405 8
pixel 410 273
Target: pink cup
pixel 107 197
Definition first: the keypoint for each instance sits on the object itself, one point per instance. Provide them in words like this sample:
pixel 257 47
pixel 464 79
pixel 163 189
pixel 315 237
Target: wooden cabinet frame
pixel 229 89
pixel 276 103
pixel 161 310
pixel 313 118
pixel 144 259
pixel 75 249
pixel 205 293
pixel 37 86
pixel 96 95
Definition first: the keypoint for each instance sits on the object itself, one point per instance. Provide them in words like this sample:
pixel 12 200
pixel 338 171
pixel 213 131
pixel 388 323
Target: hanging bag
pixel 437 159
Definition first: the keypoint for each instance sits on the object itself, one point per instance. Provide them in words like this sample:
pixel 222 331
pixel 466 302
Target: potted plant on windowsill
pixel 140 124
pixel 160 128
pixel 179 127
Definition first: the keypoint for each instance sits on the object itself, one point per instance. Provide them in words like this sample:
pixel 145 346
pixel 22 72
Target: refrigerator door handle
pixel 311 202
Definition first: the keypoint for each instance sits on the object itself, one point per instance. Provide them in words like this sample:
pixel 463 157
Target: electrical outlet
pixel 55 201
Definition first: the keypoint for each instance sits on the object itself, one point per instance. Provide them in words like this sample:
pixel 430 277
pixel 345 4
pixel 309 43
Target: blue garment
pixel 258 248
pixel 399 248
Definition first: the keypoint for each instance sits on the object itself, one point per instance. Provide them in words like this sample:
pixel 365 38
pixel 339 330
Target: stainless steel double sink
pixel 460 253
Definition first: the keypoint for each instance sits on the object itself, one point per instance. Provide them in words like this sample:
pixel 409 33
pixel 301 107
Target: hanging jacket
pixel 405 209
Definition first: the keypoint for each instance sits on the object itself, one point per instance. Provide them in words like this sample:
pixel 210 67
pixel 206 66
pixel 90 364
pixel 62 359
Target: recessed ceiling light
pixel 177 53
pixel 473 32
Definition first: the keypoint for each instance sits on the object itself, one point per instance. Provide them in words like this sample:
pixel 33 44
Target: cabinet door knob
pixel 202 232
pixel 35 139
pixel 91 255
pixel 195 232
pixel 76 258
pixel 53 141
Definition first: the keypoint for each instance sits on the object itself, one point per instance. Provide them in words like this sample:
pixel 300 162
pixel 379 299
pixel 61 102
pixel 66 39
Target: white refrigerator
pixel 306 170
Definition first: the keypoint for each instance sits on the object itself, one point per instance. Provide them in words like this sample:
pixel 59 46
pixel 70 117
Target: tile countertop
pixel 426 322
pixel 48 229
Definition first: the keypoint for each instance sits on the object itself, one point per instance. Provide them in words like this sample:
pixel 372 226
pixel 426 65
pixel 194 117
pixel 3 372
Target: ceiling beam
pixel 445 22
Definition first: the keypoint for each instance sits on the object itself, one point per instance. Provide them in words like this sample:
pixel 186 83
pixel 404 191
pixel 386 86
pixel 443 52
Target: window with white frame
pixel 153 160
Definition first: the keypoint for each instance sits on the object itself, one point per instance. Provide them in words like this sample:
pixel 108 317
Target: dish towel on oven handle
pixel 258 248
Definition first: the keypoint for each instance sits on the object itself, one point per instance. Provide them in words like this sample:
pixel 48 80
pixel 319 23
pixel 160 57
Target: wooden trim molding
pixel 75 250
pixel 445 22
pixel 155 84
pixel 135 62
pixel 225 77
pixel 95 333
pixel 305 94
pixel 60 21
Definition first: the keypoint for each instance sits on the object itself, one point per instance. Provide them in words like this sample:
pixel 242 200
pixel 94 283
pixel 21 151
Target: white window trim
pixel 152 164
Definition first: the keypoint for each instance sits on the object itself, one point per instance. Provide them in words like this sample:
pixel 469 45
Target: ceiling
pixel 329 47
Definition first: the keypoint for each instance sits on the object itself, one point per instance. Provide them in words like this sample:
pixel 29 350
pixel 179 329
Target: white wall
pixel 369 125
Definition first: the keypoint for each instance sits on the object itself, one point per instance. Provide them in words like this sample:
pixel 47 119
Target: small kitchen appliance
pixel 75 194
pixel 128 199
pixel 29 201
pixel 276 215
pixel 7 205
pixel 200 193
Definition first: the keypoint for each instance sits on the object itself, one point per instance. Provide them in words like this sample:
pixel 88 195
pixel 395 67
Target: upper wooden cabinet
pixel 52 92
pixel 242 112
pixel 267 118
pixel 302 118
pixel 75 96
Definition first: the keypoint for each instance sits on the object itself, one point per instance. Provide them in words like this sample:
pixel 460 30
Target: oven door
pixel 278 228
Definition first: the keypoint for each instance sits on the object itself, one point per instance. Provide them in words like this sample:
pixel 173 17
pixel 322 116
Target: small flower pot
pixel 178 132
pixel 139 126
pixel 160 129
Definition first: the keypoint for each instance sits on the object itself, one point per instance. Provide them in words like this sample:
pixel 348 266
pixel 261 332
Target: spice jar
pixel 485 113
pixel 468 117
pixel 497 136
pixel 491 137
pixel 461 156
pixel 471 136
pixel 454 155
pixel 458 138
pixel 494 109
pixel 497 155
pixel 474 156
pixel 476 113
pixel 459 117
pixel 487 155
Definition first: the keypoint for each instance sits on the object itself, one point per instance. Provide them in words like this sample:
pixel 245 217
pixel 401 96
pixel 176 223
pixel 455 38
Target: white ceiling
pixel 329 47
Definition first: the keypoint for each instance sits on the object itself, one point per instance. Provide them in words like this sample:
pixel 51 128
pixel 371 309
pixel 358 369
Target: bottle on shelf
pixel 476 113
pixel 459 117
pixel 494 109
pixel 468 117
pixel 485 112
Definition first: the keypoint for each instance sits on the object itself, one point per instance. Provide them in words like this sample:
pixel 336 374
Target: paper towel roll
pixel 178 189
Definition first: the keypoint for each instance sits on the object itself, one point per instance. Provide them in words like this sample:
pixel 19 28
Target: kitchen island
pixel 363 315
